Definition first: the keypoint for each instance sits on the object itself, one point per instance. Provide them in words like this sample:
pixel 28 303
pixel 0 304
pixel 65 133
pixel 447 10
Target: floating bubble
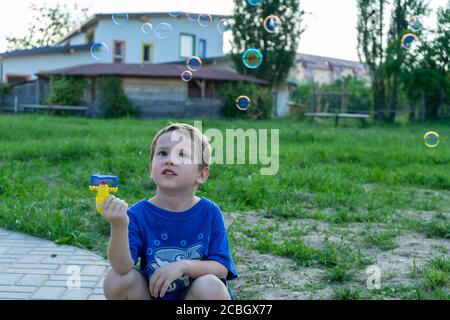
pixel 120 18
pixel 186 75
pixel 163 30
pixel 272 24
pixel 204 20
pixel 408 40
pixel 194 63
pixel 147 28
pixel 252 58
pixel 415 24
pixel 431 139
pixel 175 14
pixel 243 102
pixel 99 51
pixel 254 3
pixel 224 25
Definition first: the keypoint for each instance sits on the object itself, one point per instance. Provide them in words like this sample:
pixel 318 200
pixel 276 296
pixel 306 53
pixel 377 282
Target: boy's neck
pixel 174 201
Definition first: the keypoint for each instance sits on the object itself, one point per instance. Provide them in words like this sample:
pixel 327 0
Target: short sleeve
pixel 134 237
pixel 219 249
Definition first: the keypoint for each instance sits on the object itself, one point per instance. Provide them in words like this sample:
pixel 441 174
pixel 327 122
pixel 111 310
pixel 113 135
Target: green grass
pixel 338 175
pixel 381 239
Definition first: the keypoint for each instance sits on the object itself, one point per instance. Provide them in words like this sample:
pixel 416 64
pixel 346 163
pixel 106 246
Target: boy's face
pixel 175 164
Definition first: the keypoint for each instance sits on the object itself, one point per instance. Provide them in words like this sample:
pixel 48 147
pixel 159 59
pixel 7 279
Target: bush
pixel 114 102
pixel 261 100
pixel 66 90
pixel 4 89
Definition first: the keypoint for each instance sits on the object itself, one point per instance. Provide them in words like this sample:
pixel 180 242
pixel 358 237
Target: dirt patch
pixel 266 276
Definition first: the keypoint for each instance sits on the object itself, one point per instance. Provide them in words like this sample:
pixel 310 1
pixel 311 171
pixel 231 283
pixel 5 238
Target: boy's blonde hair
pixel 194 134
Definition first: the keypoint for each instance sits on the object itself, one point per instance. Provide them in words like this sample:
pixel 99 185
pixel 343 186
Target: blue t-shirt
pixel 158 237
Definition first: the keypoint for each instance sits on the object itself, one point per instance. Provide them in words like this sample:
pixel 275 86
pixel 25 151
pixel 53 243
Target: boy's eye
pixel 162 153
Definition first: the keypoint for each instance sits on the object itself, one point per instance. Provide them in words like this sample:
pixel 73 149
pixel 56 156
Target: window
pixel 187 45
pixel 202 48
pixel 119 52
pixel 147 53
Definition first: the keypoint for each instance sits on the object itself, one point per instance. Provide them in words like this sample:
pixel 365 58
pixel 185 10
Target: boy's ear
pixel 203 175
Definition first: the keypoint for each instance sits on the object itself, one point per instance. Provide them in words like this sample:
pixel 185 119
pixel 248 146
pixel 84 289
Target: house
pixel 325 69
pixel 136 40
pixel 156 89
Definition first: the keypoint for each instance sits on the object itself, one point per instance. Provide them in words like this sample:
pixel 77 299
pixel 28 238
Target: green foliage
pixel 261 100
pixel 359 100
pixel 404 74
pixel 278 49
pixel 66 90
pixel 114 102
pixel 48 26
pixel 4 89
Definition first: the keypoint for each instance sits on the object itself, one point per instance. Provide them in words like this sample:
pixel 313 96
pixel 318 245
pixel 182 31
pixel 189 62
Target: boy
pixel 180 239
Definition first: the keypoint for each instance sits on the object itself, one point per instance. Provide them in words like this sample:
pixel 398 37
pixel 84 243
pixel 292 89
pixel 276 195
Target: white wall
pixel 165 50
pixel 31 64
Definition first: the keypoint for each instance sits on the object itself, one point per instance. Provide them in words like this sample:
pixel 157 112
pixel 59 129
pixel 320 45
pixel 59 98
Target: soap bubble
pixel 186 75
pixel 194 63
pixel 204 20
pixel 120 19
pixel 415 24
pixel 272 24
pixel 408 40
pixel 254 3
pixel 252 58
pixel 163 30
pixel 147 28
pixel 224 25
pixel 99 51
pixel 431 139
pixel 243 103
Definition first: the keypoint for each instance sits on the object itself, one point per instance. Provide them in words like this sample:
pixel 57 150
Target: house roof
pixel 47 49
pixel 139 15
pixel 150 71
pixel 319 62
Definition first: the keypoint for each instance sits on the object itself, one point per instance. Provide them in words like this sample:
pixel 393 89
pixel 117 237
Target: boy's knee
pixel 115 283
pixel 209 287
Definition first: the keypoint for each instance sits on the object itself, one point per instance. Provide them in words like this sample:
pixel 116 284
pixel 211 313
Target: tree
pixel 48 26
pixel 278 49
pixel 370 48
pixel 381 49
pixel 427 70
pixel 402 11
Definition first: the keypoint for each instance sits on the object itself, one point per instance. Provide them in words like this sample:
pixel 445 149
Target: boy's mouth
pixel 168 172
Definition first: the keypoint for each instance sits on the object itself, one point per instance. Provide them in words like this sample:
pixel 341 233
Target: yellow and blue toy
pixel 101 184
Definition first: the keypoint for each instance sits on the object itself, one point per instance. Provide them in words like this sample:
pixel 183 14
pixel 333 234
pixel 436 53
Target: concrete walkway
pixel 33 268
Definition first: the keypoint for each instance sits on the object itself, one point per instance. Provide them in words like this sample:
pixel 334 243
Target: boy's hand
pixel 115 212
pixel 163 277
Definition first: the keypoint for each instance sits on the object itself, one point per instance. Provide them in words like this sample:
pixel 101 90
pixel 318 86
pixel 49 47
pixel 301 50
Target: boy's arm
pixel 197 268
pixel 119 255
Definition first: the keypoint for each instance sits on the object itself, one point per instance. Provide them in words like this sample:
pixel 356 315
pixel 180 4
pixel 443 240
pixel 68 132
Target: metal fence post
pixel 16 104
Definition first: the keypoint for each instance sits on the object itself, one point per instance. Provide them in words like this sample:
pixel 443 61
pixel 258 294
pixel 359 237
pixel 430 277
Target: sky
pixel 330 24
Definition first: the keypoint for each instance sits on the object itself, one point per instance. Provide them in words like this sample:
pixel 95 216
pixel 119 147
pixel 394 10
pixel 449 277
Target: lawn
pixel 343 199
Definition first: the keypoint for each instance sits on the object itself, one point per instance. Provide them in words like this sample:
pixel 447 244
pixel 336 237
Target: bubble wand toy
pixel 101 184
